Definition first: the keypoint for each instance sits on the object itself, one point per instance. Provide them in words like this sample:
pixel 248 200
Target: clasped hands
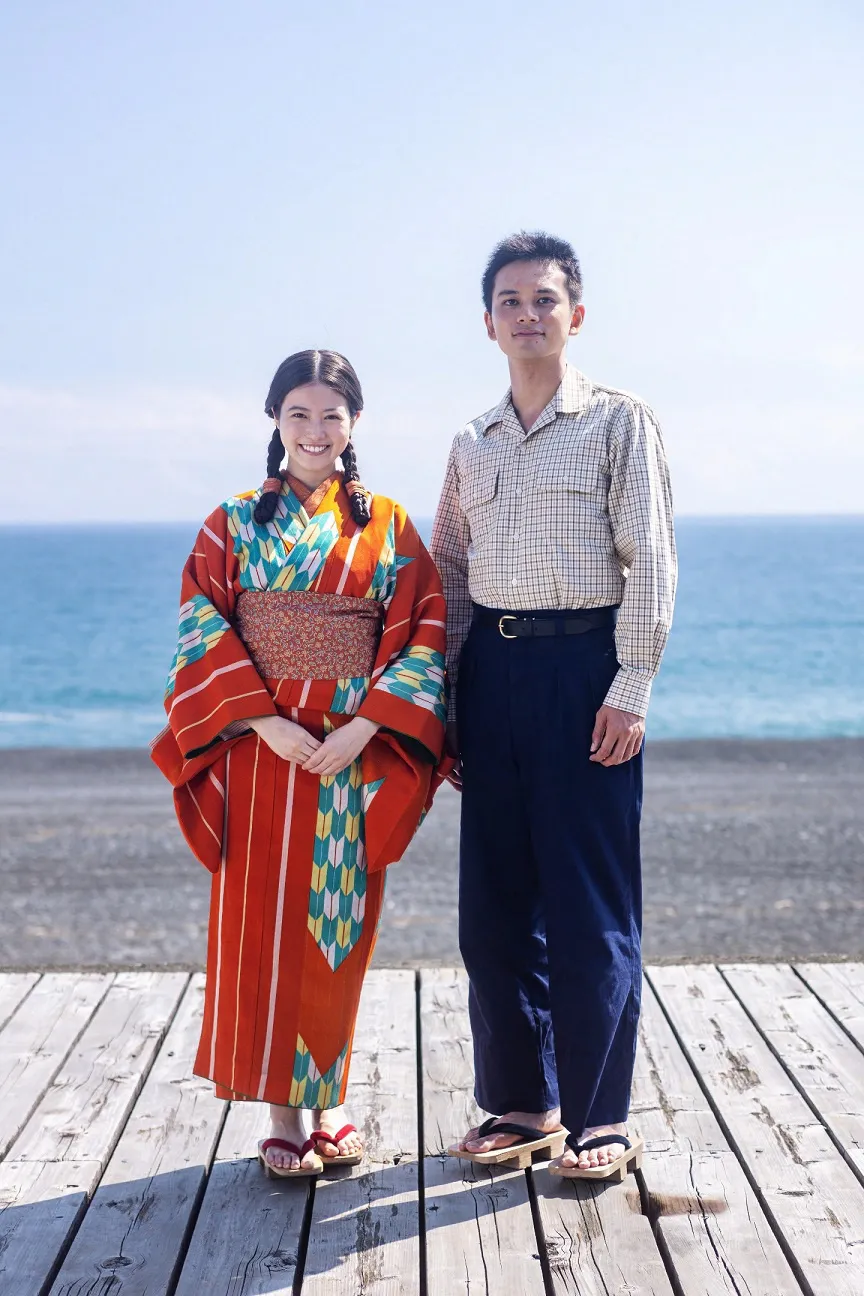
pixel 331 756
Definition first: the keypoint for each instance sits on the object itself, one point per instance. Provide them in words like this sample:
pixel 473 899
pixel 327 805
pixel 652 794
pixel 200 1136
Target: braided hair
pixel 300 369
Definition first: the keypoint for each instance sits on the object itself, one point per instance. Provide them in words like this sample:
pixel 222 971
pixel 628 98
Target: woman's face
pixel 315 425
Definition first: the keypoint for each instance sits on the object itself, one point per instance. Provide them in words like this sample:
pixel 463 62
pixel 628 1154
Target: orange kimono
pixel 313 618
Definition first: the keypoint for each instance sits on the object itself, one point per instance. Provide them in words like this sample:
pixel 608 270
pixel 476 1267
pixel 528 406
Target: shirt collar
pixel 573 395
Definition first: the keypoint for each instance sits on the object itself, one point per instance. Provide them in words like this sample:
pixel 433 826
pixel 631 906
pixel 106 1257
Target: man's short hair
pixel 536 246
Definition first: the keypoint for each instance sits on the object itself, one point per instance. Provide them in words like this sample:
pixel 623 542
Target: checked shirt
pixel 575 513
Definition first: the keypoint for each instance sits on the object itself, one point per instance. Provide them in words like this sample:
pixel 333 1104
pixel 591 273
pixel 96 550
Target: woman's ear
pixel 356 419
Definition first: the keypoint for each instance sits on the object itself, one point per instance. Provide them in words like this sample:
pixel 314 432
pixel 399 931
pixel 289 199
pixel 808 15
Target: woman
pixel 306 717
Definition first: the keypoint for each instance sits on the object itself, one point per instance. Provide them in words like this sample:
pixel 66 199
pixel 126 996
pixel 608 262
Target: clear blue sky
pixel 193 190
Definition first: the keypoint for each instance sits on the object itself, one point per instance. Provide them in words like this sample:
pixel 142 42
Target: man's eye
pixel 541 301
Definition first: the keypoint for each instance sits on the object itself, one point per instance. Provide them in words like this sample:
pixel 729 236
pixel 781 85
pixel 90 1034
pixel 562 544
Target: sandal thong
pixel 522 1153
pixel 617 1170
pixel 282 1172
pixel 341 1158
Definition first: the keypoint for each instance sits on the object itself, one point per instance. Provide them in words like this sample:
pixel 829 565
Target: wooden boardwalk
pixel 121 1175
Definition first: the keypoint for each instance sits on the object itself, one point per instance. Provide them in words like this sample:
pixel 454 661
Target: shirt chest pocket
pixel 479 498
pixel 577 483
pixel 570 509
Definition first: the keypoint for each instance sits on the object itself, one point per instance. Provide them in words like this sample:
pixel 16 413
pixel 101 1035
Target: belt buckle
pixel 501 630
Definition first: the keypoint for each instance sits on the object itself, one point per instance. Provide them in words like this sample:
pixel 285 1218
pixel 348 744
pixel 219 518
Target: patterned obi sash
pixel 298 634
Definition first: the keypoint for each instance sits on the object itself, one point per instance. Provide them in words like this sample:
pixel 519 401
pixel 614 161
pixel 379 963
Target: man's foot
pixel 544 1123
pixel 597 1156
pixel 331 1120
pixel 288 1123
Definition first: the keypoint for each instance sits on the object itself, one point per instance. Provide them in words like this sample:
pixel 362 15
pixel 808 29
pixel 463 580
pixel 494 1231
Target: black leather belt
pixel 528 625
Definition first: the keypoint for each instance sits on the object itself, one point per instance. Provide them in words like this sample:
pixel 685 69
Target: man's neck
pixel 533 383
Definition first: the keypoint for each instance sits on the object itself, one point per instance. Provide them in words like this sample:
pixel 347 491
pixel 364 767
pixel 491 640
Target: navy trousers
pixel 550 893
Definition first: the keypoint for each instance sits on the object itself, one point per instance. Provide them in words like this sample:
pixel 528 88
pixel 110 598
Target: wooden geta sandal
pixel 616 1171
pixel 522 1154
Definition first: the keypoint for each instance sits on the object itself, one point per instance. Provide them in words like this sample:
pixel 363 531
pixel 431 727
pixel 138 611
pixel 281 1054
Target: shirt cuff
pixel 630 691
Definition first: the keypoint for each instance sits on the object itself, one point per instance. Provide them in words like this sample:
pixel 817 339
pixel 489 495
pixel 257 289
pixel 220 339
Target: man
pixel 554 540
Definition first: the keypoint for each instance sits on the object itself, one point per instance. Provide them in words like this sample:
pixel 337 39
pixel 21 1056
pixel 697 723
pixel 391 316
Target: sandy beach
pixel 752 850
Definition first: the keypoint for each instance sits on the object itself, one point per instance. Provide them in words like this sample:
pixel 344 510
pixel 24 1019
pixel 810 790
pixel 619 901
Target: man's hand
pixel 617 736
pixel 341 747
pixel 285 738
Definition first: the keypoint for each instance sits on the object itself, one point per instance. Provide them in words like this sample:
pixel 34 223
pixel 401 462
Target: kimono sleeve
pixel 408 693
pixel 212 683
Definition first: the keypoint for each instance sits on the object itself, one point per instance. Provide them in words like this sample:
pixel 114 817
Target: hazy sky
pixel 190 191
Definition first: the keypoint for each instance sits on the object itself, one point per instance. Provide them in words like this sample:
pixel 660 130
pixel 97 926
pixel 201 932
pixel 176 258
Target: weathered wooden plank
pixel 715 1231
pixel 135 1230
pixel 479 1225
pixel 37 1039
pixel 247 1235
pixel 59 1155
pixel 364 1232
pixel 40 1206
pixel 817 1053
pixel 82 1112
pixel 840 986
pixel 14 986
pixel 449 1108
pixel 813 1196
pixel 597 1239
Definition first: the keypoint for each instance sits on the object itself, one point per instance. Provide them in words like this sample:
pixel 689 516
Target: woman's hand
pixel 341 747
pixel 285 738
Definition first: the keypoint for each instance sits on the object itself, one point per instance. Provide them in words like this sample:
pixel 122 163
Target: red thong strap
pixel 333 1138
pixel 284 1146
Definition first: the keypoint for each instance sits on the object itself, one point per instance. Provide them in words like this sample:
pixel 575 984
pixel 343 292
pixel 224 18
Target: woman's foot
pixel 331 1120
pixel 288 1123
pixel 596 1157
pixel 544 1123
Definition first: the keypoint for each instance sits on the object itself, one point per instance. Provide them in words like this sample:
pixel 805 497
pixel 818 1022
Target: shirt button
pixel 517 492
pixel 515 580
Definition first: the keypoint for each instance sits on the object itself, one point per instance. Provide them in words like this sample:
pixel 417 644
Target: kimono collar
pixel 309 498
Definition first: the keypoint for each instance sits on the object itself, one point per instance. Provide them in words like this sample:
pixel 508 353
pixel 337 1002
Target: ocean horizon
pixel 768 638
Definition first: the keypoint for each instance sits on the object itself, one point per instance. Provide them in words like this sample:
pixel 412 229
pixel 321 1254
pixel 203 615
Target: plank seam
pixel 21 1002
pixel 421 1139
pixel 195 1209
pixel 54 1271
pixel 653 1218
pixel 89 1195
pixel 542 1250
pixel 53 1076
pixel 186 1240
pixel 858 1173
pixel 829 1010
pixel 303 1243
pixel 773 1223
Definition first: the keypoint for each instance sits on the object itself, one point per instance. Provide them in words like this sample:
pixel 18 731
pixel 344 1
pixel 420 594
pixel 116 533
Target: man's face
pixel 531 316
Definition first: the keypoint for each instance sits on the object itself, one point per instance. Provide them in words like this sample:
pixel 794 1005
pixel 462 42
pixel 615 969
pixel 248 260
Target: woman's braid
pixel 358 494
pixel 266 506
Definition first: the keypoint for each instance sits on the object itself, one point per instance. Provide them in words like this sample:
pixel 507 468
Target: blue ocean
pixel 768 638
